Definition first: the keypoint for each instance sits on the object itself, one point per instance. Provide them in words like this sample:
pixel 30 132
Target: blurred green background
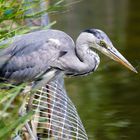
pixel 108 101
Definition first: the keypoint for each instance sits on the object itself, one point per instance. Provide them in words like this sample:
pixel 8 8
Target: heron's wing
pixel 26 59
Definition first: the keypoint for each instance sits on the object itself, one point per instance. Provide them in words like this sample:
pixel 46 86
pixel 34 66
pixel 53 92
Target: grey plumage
pixel 34 53
pixel 29 57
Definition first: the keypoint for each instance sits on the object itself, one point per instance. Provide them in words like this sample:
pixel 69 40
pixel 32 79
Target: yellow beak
pixel 116 55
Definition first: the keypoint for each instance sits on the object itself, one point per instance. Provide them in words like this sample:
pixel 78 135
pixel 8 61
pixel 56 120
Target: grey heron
pixel 39 55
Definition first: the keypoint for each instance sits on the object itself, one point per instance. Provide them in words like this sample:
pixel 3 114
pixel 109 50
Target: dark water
pixel 108 101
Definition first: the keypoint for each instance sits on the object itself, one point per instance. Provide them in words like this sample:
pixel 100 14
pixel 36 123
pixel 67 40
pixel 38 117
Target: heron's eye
pixel 103 44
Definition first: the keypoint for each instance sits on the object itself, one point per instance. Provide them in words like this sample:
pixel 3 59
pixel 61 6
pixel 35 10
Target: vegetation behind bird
pixel 12 18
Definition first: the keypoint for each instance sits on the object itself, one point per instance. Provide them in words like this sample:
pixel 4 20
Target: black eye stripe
pixel 95 33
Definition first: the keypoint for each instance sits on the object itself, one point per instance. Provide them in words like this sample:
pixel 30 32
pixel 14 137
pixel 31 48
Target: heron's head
pixel 99 40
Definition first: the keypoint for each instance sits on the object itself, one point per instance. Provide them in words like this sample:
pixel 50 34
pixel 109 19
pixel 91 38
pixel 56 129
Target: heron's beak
pixel 116 55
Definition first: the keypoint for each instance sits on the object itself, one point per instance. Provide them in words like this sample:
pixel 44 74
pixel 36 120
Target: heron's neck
pixel 86 55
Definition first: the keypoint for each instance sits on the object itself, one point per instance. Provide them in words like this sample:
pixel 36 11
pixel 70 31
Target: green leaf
pixel 16 124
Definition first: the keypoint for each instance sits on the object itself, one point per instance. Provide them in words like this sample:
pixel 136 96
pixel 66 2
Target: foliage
pixel 12 23
pixel 13 14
